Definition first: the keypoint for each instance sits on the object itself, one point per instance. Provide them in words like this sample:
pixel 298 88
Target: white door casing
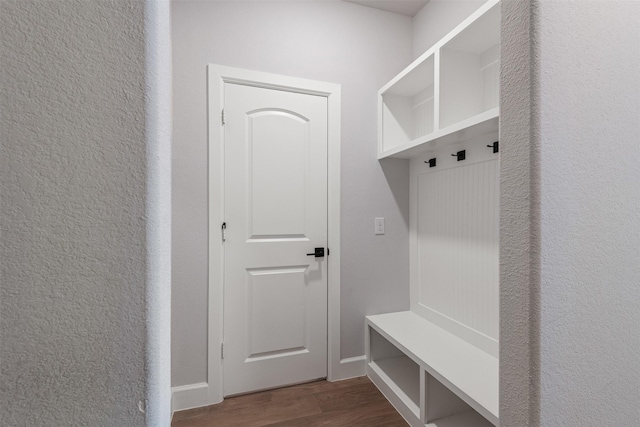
pixel 217 76
pixel 275 294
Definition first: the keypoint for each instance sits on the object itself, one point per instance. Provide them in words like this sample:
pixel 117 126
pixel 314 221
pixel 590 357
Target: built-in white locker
pixel 442 113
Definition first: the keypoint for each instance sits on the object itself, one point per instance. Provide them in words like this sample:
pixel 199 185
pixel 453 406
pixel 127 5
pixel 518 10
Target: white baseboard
pixel 189 396
pixel 351 367
pixel 197 395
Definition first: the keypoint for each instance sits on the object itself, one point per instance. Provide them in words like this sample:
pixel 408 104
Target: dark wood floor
pixel 349 403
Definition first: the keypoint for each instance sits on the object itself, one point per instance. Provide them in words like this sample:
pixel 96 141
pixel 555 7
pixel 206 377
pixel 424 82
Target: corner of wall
pixel 437 18
pixel 519 219
pixel 158 210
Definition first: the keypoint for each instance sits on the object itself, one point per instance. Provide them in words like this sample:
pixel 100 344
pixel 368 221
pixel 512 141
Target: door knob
pixel 318 252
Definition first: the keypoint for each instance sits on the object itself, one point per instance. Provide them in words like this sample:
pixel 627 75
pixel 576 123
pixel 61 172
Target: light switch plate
pixel 379 225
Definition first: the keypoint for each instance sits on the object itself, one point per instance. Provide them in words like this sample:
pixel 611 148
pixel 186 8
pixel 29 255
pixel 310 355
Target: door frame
pixel 217 76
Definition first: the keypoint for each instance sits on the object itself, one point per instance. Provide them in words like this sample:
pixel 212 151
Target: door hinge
pixel 222 351
pixel 224 229
pixel 222 117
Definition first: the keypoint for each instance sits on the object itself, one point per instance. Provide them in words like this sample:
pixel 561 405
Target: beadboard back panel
pixel 455 236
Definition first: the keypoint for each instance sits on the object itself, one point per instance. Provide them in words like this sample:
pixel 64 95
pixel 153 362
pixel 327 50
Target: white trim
pixel 215 101
pixel 217 76
pixel 351 367
pixel 189 396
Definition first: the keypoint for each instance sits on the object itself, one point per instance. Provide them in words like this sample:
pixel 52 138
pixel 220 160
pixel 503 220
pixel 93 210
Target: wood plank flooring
pixel 349 403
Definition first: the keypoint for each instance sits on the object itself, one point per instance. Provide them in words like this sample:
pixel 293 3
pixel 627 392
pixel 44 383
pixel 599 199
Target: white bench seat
pixel 467 371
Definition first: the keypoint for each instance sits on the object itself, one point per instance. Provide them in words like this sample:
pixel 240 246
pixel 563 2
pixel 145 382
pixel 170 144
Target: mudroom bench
pixel 431 376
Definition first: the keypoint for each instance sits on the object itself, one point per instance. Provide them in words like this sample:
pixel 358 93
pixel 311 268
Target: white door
pixel 275 295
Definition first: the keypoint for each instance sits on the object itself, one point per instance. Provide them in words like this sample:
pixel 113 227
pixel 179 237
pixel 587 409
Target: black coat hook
pixel 432 162
pixel 461 155
pixel 494 146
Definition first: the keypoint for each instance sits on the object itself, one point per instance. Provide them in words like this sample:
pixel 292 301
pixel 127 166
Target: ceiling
pixel 403 7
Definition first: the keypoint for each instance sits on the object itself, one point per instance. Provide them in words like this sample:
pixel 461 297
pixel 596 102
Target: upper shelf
pixel 447 95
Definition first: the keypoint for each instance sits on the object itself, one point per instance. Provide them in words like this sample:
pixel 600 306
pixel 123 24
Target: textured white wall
pixel 437 18
pixel 358 47
pixel 570 120
pixel 73 207
pixel 588 57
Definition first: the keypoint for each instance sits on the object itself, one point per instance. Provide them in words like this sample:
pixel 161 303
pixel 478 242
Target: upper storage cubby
pixel 470 70
pixel 449 94
pixel 408 106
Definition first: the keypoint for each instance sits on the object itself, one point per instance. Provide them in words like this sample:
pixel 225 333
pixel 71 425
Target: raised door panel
pixel 277 312
pixel 278 178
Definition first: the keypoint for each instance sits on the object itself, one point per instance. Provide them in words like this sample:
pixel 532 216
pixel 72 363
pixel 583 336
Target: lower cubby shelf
pixel 432 377
pixel 403 378
pixel 466 419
